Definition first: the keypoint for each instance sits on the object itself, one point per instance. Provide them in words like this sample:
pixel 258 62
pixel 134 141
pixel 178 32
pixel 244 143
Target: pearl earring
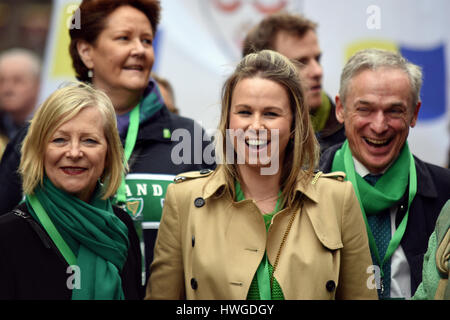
pixel 90 73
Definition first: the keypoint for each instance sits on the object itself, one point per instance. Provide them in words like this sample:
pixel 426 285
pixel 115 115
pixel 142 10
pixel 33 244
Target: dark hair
pixel 262 36
pixel 93 16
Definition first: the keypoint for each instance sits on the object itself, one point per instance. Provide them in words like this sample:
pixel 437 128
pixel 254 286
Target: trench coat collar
pixel 216 181
pixel 307 187
pixel 217 184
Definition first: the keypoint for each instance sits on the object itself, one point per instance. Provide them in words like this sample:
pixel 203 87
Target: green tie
pixel 372 178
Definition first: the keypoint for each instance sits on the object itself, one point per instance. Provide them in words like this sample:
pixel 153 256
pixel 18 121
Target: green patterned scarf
pixel 96 236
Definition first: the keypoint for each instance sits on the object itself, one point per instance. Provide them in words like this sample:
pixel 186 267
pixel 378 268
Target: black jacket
pixel 433 190
pixel 32 268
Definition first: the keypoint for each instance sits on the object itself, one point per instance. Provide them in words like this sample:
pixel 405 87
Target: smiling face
pixel 377 116
pixel 122 56
pixel 307 51
pixel 75 156
pixel 260 110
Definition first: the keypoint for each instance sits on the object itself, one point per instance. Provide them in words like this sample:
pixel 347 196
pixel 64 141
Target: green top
pixel 260 286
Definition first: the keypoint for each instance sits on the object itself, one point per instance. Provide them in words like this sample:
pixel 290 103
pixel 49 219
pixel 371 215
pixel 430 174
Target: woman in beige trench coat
pixel 264 225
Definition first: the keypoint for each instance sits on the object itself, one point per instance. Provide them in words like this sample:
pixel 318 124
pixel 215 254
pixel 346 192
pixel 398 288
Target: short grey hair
pixel 374 59
pixel 33 58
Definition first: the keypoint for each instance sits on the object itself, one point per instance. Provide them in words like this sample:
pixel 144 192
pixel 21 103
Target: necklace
pixel 288 228
pixel 271 197
pixel 275 197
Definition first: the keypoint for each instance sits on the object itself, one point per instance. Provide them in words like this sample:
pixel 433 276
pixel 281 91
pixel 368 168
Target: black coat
pixel 32 268
pixel 433 190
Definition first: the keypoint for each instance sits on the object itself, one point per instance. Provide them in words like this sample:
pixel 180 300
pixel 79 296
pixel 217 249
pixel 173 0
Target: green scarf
pixel 388 190
pixel 320 117
pixel 95 235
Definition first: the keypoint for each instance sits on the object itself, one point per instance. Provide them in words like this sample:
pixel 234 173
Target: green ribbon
pixel 147 107
pixel 130 142
pixel 349 168
pixel 263 278
pixel 48 225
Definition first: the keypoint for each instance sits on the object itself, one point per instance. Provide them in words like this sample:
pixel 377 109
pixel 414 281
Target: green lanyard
pixel 48 225
pixel 130 142
pixel 398 234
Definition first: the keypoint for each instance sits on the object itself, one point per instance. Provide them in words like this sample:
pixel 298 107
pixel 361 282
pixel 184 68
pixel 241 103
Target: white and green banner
pixel 145 197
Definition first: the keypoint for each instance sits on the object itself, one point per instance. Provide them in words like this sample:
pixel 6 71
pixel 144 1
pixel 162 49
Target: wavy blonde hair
pixel 301 155
pixel 60 107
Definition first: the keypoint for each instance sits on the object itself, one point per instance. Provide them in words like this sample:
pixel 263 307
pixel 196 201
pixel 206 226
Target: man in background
pixel 295 37
pixel 166 90
pixel 19 88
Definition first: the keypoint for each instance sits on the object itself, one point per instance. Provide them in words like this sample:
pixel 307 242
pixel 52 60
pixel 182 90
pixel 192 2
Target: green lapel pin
pixel 166 133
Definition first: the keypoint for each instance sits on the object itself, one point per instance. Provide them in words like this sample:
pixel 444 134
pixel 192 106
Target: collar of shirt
pixel 362 170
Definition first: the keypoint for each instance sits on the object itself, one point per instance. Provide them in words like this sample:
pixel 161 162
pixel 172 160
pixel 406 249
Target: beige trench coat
pixel 209 247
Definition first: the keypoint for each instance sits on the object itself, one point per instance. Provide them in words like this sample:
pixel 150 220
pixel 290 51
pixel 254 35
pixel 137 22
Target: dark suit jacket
pixel 433 190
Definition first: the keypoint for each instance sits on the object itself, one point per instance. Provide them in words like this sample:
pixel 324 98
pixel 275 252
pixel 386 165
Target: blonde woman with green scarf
pixel 66 240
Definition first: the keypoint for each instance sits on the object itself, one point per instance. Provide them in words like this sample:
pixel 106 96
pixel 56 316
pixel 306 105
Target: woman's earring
pixel 90 73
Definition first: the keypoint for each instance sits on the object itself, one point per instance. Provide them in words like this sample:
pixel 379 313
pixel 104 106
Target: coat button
pixel 193 241
pixel 199 202
pixel 194 284
pixel 330 285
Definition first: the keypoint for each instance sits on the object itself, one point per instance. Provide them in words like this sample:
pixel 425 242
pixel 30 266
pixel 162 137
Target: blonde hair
pixel 301 155
pixel 60 107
